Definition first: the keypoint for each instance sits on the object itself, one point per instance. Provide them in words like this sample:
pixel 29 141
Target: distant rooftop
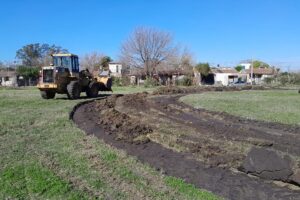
pixel 115 62
pixel 224 70
pixel 263 71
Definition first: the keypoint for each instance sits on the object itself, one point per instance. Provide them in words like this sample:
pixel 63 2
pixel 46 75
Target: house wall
pixel 266 76
pixel 115 69
pixel 223 78
pixel 9 81
pixel 245 65
pixel 257 78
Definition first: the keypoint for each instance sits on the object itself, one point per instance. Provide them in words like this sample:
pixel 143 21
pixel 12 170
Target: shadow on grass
pixel 85 97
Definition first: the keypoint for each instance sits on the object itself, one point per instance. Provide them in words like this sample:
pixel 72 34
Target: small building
pixel 225 76
pixel 163 77
pixel 259 74
pixel 116 69
pixel 8 78
pixel 220 76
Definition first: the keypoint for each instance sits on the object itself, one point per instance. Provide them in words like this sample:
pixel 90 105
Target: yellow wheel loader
pixel 65 77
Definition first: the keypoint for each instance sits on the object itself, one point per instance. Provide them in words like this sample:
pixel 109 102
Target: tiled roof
pixel 262 71
pixel 7 73
pixel 224 70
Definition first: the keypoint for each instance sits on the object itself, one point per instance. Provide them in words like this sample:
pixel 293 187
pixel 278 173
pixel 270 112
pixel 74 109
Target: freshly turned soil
pixel 120 120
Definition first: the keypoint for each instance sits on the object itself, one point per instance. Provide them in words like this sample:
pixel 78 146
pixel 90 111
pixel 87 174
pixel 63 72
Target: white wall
pixel 246 65
pixel 11 82
pixel 222 78
pixel 115 69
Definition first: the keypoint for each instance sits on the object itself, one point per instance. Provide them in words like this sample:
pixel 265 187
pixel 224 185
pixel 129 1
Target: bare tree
pixel 91 61
pixel 181 60
pixel 147 48
pixel 187 61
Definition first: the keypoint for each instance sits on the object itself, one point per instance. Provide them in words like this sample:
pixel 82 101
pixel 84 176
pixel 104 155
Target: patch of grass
pixel 20 181
pixel 189 190
pixel 272 105
pixel 43 155
pixel 132 89
pixel 109 156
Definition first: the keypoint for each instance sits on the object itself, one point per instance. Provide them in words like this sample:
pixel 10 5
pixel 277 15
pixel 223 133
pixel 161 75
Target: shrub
pixel 283 79
pixel 295 78
pixel 120 81
pixel 185 81
pixel 289 78
pixel 268 80
pixel 150 82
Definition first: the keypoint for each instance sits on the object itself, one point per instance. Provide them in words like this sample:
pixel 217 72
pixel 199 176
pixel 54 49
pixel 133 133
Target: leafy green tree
pixel 37 54
pixel 104 62
pixel 260 64
pixel 203 68
pixel 239 68
pixel 28 73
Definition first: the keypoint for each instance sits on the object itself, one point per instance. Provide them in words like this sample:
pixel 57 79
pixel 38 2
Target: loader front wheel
pixel 92 90
pixel 47 94
pixel 73 89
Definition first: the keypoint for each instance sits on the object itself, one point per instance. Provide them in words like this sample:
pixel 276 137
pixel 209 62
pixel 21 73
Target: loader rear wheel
pixel 47 94
pixel 73 90
pixel 92 90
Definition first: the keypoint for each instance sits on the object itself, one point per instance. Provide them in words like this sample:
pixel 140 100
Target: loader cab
pixel 69 61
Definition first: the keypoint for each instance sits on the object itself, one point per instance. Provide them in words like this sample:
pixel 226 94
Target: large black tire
pixel 92 90
pixel 109 84
pixel 47 94
pixel 73 89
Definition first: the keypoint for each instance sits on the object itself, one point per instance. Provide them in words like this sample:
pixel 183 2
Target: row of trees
pixel 146 48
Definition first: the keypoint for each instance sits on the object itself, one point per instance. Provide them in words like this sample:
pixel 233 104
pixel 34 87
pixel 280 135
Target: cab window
pixel 62 61
pixel 66 62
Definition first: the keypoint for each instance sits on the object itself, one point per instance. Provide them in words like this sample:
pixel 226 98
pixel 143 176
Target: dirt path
pixel 203 148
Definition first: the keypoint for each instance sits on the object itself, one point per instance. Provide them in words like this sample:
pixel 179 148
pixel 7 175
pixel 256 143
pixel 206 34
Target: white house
pixel 115 69
pixel 259 74
pixel 8 78
pixel 225 76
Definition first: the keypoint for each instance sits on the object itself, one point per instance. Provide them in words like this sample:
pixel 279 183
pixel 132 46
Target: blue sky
pixel 216 31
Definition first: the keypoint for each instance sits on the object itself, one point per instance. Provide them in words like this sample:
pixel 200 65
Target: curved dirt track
pixel 202 147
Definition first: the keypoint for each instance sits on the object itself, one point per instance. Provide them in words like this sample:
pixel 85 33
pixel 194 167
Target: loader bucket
pixel 105 83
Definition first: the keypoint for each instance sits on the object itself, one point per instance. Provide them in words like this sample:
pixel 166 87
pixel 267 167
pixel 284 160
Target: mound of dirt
pixel 267 164
pixel 119 124
pixel 197 89
pixel 137 101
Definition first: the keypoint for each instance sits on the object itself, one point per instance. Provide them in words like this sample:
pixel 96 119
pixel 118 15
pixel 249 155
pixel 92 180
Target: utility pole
pixel 251 73
pixel 288 70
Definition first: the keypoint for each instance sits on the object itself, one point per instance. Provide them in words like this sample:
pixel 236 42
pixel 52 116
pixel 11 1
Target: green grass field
pixel 273 105
pixel 44 156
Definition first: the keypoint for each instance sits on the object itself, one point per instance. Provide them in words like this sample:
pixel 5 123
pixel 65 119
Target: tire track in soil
pixel 223 182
